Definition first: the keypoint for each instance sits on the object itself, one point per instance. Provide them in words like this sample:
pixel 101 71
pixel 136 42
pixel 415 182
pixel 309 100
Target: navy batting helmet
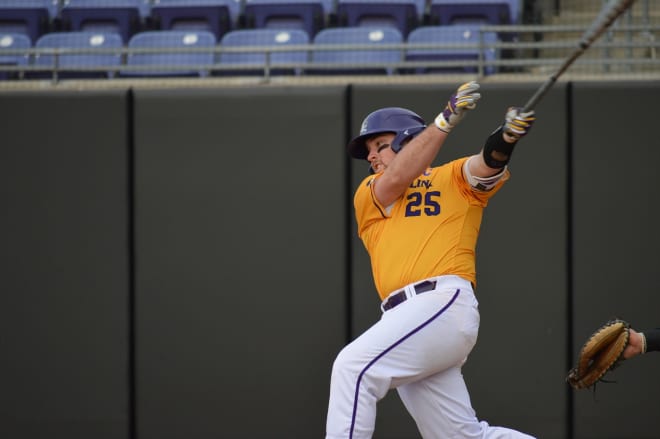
pixel 403 123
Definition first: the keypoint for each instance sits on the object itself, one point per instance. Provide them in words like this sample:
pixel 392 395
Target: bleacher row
pixel 107 33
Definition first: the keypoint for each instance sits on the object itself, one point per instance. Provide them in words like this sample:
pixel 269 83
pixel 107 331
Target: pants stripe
pixel 382 354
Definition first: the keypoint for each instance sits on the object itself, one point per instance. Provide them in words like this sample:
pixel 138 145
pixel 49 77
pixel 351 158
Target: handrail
pixel 520 60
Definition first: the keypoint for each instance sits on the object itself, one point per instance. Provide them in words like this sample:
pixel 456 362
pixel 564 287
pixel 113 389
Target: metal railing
pixel 526 49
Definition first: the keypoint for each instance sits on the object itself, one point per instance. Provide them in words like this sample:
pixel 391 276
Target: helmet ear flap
pixel 405 136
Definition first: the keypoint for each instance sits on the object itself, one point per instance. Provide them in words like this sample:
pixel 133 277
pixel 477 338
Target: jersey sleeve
pixel 477 197
pixel 367 208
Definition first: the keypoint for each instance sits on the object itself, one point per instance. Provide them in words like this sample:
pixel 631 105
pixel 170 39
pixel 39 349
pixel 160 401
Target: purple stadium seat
pixel 275 38
pixel 216 16
pixel 356 61
pixel 30 17
pixel 168 61
pixel 493 12
pixel 456 43
pixel 118 16
pixel 13 42
pixel 308 15
pixel 404 15
pixel 79 65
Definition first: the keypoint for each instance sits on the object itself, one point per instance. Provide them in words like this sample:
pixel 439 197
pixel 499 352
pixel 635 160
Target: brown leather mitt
pixel 602 352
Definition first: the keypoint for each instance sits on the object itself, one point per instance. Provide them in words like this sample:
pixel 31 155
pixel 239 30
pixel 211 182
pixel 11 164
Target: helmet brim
pixel 357 148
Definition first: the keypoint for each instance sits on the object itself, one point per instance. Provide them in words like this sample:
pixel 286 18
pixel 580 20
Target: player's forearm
pixel 419 154
pixel 415 158
pixel 479 168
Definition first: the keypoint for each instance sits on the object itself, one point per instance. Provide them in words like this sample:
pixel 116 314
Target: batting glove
pixel 464 99
pixel 517 124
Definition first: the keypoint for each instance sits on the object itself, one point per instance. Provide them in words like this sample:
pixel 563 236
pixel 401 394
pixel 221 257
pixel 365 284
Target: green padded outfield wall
pixel 64 271
pixel 616 242
pixel 520 263
pixel 241 260
pixel 183 263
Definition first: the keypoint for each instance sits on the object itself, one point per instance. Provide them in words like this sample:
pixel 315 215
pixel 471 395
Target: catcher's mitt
pixel 602 352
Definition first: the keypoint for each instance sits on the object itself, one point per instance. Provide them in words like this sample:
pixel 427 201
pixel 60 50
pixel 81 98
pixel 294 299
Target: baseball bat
pixel 605 18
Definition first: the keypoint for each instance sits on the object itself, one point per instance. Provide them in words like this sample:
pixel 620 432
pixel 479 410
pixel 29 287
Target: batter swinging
pixel 420 227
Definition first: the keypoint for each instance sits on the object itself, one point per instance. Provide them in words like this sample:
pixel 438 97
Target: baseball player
pixel 420 226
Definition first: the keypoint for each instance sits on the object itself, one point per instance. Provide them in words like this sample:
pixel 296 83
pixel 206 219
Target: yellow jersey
pixel 430 231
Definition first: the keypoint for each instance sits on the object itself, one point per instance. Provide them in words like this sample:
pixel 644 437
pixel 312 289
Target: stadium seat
pixel 458 43
pixel 263 37
pixel 404 15
pixel 124 17
pixel 356 61
pixel 30 17
pixel 13 42
pixel 516 11
pixel 216 16
pixel 79 65
pixel 493 12
pixel 308 15
pixel 167 61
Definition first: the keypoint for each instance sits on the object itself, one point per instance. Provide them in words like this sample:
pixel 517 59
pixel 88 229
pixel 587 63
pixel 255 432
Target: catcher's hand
pixel 601 353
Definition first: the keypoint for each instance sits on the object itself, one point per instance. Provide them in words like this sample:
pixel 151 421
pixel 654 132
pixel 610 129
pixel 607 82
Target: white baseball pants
pixel 417 347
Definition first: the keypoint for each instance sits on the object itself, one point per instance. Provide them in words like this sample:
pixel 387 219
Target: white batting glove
pixel 464 99
pixel 517 124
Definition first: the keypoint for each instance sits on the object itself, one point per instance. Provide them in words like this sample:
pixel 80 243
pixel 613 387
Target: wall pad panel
pixel 616 246
pixel 241 261
pixel 64 276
